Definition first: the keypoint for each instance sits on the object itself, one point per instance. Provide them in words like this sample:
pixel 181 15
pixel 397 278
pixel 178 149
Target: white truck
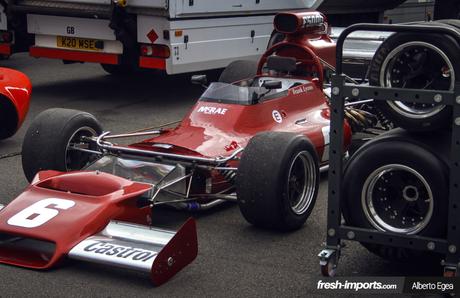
pixel 175 36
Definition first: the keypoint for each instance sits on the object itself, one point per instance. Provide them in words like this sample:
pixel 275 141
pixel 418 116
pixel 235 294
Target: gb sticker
pixel 277 116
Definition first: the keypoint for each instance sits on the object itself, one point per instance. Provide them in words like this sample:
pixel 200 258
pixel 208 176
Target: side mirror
pixel 199 80
pixel 270 85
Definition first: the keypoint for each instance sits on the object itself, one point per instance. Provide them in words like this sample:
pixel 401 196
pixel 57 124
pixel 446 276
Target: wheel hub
pixel 301 182
pixel 410 193
pixel 75 159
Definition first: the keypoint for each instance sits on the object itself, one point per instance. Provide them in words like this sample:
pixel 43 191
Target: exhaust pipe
pixel 161 253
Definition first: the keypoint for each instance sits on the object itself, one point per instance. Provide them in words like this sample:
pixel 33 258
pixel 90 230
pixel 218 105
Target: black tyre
pixel 8 118
pixel 238 70
pixel 117 70
pixel 277 180
pixel 451 22
pixel 275 38
pixel 417 61
pixel 403 191
pixel 49 138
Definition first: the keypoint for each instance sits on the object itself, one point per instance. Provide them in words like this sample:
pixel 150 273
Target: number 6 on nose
pixel 40 212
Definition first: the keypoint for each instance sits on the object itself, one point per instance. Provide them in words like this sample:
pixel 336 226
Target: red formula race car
pixel 257 137
pixel 15 91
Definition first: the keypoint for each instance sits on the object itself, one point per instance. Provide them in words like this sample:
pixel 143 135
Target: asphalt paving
pixel 234 259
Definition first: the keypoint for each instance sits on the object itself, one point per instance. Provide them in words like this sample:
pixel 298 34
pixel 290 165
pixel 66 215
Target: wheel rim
pixel 405 67
pixel 398 199
pixel 301 182
pixel 75 159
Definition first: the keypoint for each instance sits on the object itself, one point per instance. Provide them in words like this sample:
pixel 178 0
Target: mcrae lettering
pixel 212 110
pixel 101 247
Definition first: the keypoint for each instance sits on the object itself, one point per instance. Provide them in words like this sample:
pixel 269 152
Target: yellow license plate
pixel 79 43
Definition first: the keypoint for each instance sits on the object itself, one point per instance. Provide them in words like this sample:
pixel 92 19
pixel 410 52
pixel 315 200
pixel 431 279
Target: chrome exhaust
pixel 161 253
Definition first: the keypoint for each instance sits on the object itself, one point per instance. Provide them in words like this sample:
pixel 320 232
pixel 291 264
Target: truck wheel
pixel 238 70
pixel 403 191
pixel 48 140
pixel 117 70
pixel 417 61
pixel 277 180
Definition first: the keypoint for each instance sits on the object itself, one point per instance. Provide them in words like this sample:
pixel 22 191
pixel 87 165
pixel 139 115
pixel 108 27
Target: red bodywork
pixel 15 90
pixel 213 129
pixel 100 198
pixel 97 198
pixel 213 135
pixel 304 109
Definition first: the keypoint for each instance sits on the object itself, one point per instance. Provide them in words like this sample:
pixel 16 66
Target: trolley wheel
pixel 450 272
pixel 329 269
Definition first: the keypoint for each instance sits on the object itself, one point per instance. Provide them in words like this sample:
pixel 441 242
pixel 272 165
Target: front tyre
pixel 51 141
pixel 277 180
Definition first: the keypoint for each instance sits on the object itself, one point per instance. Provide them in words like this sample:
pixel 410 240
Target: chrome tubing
pixel 134 134
pixel 111 147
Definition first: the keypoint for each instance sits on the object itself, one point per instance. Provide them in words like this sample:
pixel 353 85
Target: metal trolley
pixel 336 231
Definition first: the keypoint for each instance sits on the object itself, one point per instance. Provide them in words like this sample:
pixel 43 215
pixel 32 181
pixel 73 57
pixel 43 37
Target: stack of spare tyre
pixel 399 181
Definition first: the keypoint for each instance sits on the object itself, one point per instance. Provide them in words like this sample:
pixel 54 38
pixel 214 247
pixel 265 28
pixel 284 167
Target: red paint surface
pixel 100 198
pixel 16 86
